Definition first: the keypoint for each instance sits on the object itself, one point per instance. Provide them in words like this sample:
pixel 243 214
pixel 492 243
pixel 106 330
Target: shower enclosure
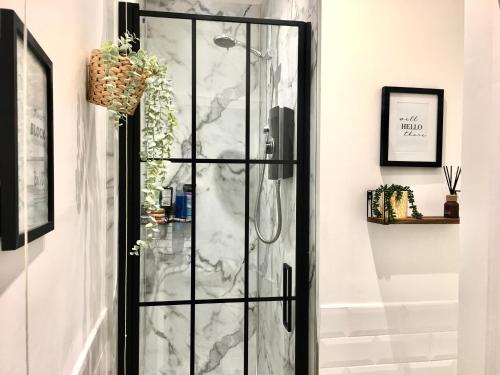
pixel 225 288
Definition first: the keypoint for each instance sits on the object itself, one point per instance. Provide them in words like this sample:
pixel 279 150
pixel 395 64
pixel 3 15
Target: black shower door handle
pixel 287 297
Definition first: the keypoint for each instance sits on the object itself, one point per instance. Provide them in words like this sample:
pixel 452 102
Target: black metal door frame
pixel 129 201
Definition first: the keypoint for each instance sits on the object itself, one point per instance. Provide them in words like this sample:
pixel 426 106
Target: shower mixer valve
pixel 278 145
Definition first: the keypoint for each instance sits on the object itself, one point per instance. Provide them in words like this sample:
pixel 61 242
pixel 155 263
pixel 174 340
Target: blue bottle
pixel 180 205
pixel 188 193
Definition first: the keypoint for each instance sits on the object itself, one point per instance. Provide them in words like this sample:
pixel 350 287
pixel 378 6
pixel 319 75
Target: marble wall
pixel 66 312
pixel 220 198
pixel 308 11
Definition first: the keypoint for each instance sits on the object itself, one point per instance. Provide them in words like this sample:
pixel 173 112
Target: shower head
pixel 226 41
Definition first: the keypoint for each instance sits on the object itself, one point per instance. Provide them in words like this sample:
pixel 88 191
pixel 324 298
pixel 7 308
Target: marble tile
pixel 221 82
pixel 165 340
pixel 278 87
pixel 111 212
pixel 220 188
pixel 276 79
pixel 267 259
pixel 166 268
pixel 220 230
pixel 167 39
pixel 209 7
pixel 219 339
pixel 221 87
pixel 275 345
pixel 305 10
pixel 252 338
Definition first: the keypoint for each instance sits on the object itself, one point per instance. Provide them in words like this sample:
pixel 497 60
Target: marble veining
pixel 166 269
pixel 220 126
pixel 279 83
pixel 220 225
pixel 165 340
pixel 209 7
pixel 167 38
pixel 275 346
pixel 219 339
pixel 221 87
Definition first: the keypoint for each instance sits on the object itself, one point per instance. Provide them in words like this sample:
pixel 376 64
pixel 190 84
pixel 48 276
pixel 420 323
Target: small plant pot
pixel 400 206
pixel 451 207
pixel 98 93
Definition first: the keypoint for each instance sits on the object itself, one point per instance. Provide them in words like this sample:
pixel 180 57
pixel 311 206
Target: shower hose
pixel 277 185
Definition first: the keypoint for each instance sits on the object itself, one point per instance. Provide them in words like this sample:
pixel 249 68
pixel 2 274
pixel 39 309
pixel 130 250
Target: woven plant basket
pixel 97 91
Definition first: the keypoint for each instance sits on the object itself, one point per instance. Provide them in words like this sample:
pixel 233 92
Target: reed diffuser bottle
pixel 451 206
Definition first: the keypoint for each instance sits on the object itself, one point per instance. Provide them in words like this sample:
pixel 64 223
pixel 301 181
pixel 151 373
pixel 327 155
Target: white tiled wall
pixel 448 367
pixel 386 339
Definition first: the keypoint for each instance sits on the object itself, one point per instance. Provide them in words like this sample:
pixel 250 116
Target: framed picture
pixel 40 153
pixel 412 127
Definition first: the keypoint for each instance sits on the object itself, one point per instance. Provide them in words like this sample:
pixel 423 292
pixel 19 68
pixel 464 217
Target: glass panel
pixel 170 41
pixel 274 76
pixel 271 346
pixel 166 268
pixel 266 260
pixel 220 202
pixel 220 230
pixel 219 347
pixel 221 85
pixel 164 340
pixel 258 93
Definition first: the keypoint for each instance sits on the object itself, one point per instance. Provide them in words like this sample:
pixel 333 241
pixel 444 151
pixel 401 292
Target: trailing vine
pixel 157 143
pixel 388 191
pixel 159 120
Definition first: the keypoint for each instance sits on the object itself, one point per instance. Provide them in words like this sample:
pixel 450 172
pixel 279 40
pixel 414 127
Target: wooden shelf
pixel 424 220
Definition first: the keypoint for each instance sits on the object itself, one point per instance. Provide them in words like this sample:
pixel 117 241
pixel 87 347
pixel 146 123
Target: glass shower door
pixel 218 291
pixel 273 198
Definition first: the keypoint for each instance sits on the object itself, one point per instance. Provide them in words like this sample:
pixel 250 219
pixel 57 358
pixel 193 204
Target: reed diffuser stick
pixel 447 176
pixel 452 179
pixel 456 180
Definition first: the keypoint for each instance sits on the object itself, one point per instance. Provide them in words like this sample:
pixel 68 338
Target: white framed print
pixel 411 127
pixel 38 101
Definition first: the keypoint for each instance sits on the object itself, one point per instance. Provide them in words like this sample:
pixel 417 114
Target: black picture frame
pixel 12 236
pixel 385 159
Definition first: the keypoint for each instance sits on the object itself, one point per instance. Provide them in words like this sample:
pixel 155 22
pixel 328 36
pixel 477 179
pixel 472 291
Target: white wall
pixel 479 327
pixel 71 294
pixel 366 45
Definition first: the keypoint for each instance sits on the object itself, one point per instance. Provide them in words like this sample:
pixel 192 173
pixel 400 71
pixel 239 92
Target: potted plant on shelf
pixel 391 202
pixel 118 78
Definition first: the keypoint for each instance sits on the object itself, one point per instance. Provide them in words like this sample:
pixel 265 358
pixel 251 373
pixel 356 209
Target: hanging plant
pixel 388 191
pixel 118 77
